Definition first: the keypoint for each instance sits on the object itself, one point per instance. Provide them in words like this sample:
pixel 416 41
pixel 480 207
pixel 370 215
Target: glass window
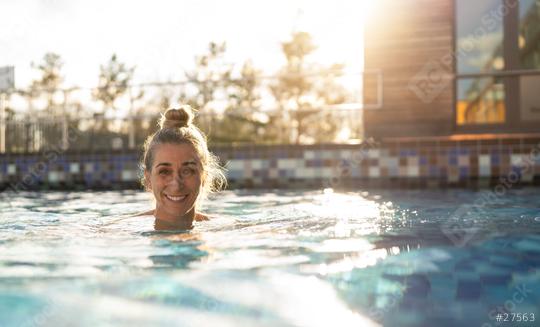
pixel 479 41
pixel 529 34
pixel 480 101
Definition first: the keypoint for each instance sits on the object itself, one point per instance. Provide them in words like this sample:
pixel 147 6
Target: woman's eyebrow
pixel 191 162
pixel 168 164
pixel 163 164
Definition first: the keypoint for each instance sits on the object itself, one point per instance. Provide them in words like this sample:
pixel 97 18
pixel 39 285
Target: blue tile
pixel 417 286
pixel 345 163
pixel 517 170
pixel 234 174
pixel 495 279
pixel 464 265
pixel 468 290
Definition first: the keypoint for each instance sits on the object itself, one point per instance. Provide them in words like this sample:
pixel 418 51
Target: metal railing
pixel 76 120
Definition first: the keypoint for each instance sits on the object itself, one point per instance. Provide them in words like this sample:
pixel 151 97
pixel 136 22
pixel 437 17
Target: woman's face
pixel 175 179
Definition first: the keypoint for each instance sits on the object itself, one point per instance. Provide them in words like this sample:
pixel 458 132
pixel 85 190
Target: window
pixel 479 42
pixel 497 51
pixel 480 100
pixel 529 34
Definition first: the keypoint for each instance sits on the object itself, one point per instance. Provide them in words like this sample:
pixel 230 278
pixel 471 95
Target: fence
pixel 33 134
pixel 28 123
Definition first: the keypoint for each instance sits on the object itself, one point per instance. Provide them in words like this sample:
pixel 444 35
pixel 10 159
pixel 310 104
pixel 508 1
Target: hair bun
pixel 176 118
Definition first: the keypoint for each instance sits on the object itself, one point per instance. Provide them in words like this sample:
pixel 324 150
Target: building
pixel 454 67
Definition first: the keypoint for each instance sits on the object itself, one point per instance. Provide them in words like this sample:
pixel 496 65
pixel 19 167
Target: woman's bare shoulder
pixel 199 216
pixel 146 213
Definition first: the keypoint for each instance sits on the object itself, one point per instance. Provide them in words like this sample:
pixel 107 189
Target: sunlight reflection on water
pixel 266 258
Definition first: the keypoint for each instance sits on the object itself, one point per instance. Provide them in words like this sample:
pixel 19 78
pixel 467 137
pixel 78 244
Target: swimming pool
pixel 273 258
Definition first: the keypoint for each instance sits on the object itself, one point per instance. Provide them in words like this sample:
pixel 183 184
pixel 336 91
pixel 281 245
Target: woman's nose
pixel 177 181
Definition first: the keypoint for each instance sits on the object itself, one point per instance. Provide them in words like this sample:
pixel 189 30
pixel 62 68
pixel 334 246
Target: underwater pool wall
pixel 482 161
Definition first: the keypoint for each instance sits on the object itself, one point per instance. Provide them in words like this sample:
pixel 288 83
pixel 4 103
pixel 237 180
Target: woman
pixel 179 170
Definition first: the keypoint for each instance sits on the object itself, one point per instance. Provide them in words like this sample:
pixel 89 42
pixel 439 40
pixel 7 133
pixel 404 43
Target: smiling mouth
pixel 179 198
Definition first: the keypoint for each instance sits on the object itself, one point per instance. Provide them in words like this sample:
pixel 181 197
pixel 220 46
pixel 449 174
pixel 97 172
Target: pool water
pixel 273 258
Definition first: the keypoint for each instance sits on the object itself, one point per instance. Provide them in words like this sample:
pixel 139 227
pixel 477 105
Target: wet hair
pixel 176 127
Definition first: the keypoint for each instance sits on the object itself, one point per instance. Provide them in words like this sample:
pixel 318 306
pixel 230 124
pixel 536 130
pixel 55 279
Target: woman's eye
pixel 188 171
pixel 164 172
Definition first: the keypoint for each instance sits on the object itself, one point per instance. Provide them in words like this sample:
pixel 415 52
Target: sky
pixel 161 38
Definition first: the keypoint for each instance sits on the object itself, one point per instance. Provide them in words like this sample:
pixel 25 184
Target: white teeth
pixel 175 198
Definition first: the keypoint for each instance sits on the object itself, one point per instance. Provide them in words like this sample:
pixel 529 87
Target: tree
pixel 301 90
pixel 114 79
pixel 203 83
pixel 242 120
pixel 218 89
pixel 49 81
pixel 210 75
pixel 215 88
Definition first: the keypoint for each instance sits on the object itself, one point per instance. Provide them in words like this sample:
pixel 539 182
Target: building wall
pixel 411 42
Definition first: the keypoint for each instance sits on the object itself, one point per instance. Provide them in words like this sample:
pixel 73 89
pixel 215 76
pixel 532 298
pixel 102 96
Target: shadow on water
pixel 182 248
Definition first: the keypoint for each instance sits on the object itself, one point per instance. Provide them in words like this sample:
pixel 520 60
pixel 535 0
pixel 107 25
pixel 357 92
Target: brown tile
pixel 489 142
pixel 402 161
pixel 508 141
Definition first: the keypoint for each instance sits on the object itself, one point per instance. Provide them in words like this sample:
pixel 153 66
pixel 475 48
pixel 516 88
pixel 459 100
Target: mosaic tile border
pixel 402 163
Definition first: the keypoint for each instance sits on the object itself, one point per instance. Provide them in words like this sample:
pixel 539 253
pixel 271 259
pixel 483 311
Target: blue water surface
pixel 273 258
